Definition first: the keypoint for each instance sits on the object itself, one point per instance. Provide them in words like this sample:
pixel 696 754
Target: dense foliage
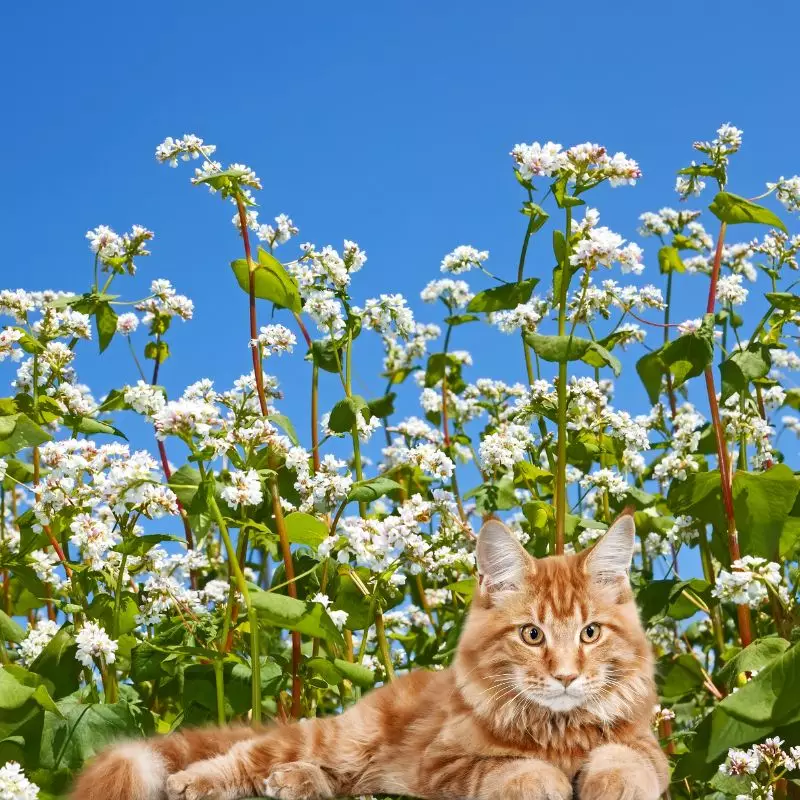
pixel 277 573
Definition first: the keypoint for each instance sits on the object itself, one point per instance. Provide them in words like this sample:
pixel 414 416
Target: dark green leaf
pixel 367 491
pixel 106 320
pixel 295 615
pixel 785 301
pixel 505 297
pixel 572 348
pixel 343 414
pixel 762 502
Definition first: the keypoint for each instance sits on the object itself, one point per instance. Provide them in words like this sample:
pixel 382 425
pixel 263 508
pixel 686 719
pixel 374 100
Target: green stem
pixel 561 444
pixel 709 575
pixel 252 617
pixel 386 656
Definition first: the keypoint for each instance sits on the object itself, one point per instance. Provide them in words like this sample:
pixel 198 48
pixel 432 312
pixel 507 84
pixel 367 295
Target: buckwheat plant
pixel 236 562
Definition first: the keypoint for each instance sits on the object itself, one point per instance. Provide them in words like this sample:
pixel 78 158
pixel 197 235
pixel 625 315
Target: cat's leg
pixel 488 778
pixel 620 772
pixel 284 763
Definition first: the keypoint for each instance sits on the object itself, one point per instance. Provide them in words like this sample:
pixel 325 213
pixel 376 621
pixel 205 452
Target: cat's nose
pixel 566 679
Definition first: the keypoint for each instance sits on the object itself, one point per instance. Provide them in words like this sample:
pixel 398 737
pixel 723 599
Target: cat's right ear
pixel 502 561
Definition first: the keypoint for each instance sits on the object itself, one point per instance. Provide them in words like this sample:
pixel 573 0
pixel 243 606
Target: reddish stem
pixel 276 504
pixel 251 285
pixel 726 487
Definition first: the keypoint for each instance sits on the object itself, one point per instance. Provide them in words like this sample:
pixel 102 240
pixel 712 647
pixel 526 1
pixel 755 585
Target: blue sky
pixel 385 123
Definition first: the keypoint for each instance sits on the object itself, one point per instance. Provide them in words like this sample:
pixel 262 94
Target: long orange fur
pixel 509 720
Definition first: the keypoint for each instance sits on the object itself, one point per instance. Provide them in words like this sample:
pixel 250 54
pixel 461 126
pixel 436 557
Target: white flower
pixel 275 339
pixel 730 290
pixel 127 323
pixel 189 146
pixel 3 469
pixel 536 159
pixel 455 294
pixel 14 785
pixel 387 312
pixel 607 479
pixel 144 399
pixel 463 259
pixel 38 638
pixel 787 190
pixel 602 246
pixel 94 642
pixel 747 582
pixel 245 489
pixel 283 230
pixel 525 316
pixel 339 618
pixel 504 448
pixel 326 310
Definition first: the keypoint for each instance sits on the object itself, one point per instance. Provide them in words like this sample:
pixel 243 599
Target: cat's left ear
pixel 502 561
pixel 611 557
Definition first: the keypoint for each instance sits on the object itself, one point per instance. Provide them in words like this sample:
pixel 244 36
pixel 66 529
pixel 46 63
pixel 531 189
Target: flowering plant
pixel 275 572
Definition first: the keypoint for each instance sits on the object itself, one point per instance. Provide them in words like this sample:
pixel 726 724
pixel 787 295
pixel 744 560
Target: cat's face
pixel 557 634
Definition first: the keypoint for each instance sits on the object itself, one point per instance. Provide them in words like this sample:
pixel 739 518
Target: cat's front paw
pixel 298 780
pixel 191 784
pixel 615 784
pixel 544 782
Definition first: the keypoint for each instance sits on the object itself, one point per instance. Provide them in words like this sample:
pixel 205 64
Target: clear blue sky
pixel 386 123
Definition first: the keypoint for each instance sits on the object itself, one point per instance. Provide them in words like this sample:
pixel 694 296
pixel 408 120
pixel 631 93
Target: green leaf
pixel 772 696
pixel 106 320
pixel 141 545
pixel 559 246
pixel 753 658
pixel 185 482
pixel 382 407
pixel 698 496
pixel 505 297
pixel 58 664
pixel 733 209
pixel 574 348
pixel 685 357
pixel 271 281
pixel 156 351
pixel 343 414
pixel 18 432
pixel 669 260
pixel 92 426
pixel 563 200
pixel 762 502
pixel 285 424
pixel 83 731
pixel 287 612
pixel 785 301
pixel 356 673
pixel 372 489
pixel 460 319
pixel 744 366
pixel 680 676
pixel 10 631
pixel 302 528
pixel 538 216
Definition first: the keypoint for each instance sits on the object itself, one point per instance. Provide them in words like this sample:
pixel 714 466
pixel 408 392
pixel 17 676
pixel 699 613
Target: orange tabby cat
pixel 551 691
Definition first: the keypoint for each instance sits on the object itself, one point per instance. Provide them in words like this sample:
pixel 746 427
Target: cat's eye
pixel 591 633
pixel 530 634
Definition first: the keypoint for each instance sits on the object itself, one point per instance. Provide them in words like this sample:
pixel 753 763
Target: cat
pixel 550 696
